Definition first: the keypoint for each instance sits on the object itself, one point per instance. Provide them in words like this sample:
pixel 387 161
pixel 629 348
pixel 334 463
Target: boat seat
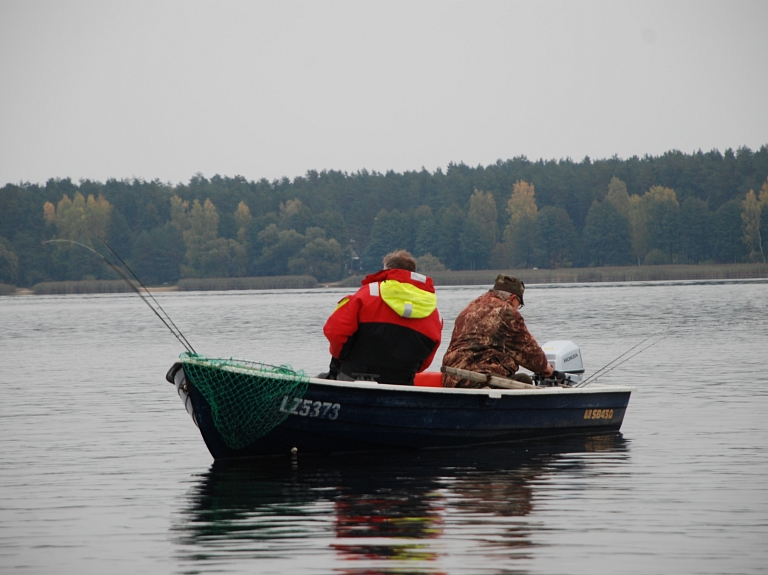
pixel 428 379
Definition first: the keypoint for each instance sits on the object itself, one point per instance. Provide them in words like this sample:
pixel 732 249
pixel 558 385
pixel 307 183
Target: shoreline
pixel 21 291
pixel 671 272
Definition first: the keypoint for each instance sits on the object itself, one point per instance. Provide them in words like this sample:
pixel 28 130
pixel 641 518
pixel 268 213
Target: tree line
pixel 674 208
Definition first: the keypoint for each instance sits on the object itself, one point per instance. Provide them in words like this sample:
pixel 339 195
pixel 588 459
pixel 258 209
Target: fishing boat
pixel 312 415
pixel 249 409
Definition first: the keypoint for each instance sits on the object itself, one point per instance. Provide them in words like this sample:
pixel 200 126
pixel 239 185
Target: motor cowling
pixel 565 357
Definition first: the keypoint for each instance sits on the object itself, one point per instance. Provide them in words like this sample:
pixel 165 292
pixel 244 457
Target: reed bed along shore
pixel 78 287
pixel 255 283
pixel 588 275
pixel 441 278
pixel 608 274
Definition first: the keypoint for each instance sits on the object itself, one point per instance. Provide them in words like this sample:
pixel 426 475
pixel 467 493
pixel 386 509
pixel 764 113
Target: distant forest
pixel 675 208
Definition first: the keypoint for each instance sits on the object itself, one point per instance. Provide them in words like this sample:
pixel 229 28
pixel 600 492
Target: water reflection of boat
pixel 389 509
pixel 331 416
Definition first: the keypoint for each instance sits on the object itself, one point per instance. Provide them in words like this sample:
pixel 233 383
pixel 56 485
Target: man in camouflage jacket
pixel 489 336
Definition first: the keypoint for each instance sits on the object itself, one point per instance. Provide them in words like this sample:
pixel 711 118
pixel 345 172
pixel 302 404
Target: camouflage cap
pixel 510 284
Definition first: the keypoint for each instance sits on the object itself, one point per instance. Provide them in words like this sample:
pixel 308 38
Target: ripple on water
pixel 101 469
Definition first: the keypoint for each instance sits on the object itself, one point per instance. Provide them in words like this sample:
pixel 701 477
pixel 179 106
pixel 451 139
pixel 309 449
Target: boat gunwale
pixel 490 391
pixel 494 391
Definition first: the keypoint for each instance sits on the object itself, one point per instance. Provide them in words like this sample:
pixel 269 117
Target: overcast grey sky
pixel 165 89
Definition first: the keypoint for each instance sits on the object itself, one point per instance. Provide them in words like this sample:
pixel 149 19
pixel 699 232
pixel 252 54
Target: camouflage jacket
pixel 489 336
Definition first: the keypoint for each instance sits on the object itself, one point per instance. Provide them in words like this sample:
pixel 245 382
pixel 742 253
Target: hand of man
pixel 549 371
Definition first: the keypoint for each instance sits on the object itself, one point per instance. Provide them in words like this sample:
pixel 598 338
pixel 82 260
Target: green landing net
pixel 245 397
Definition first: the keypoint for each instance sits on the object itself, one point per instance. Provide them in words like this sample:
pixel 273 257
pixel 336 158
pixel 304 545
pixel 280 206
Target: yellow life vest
pixel 407 300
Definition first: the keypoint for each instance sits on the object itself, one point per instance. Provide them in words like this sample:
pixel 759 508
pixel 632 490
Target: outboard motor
pixel 565 357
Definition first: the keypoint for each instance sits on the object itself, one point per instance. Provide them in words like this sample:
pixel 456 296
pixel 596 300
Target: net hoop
pixel 245 396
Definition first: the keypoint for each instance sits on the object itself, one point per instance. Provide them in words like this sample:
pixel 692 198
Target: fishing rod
pixel 174 330
pixel 122 261
pixel 605 369
pixel 599 371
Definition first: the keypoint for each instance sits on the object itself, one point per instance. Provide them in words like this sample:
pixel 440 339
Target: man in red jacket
pixel 390 329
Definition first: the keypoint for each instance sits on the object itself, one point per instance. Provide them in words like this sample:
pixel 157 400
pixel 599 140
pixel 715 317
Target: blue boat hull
pixel 334 417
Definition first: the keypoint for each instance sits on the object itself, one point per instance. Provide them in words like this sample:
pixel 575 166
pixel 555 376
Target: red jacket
pixel 389 330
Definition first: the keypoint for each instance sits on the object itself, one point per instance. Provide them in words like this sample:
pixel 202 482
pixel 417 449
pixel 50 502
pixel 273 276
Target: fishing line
pixel 179 336
pixel 599 371
pixel 605 369
pixel 122 261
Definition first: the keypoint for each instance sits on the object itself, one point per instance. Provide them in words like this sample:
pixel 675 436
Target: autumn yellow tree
pixel 634 211
pixel 630 208
pixel 202 230
pixel 208 255
pixel 638 228
pixel 243 219
pixel 79 219
pixel 479 231
pixel 658 215
pixel 294 215
pixel 179 211
pixel 619 197
pixel 750 218
pixel 520 231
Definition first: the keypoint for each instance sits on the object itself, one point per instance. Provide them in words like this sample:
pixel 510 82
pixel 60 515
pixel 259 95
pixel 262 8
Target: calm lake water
pixel 103 471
